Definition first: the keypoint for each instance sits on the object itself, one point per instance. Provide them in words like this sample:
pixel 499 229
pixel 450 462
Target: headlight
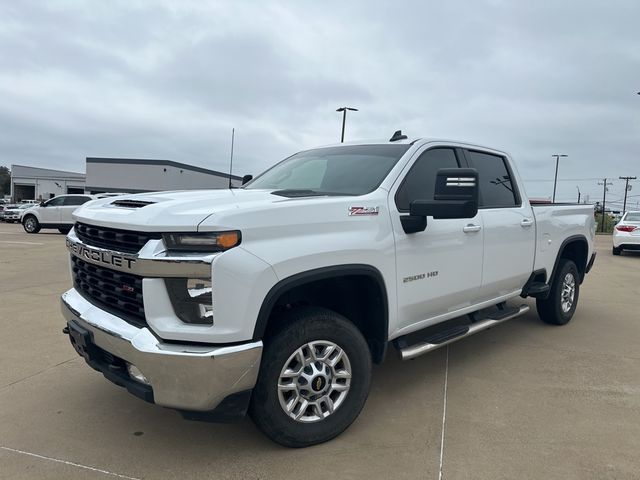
pixel 192 299
pixel 202 242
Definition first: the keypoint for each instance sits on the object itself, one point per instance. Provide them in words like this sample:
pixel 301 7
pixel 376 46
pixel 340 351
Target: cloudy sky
pixel 162 79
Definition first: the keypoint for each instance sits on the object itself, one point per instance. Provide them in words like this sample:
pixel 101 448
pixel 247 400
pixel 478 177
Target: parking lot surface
pixel 523 400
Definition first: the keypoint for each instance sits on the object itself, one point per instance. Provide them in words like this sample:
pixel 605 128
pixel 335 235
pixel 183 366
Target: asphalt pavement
pixel 522 400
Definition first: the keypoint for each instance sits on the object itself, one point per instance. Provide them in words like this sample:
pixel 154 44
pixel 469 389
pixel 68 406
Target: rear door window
pixel 497 188
pixel 75 201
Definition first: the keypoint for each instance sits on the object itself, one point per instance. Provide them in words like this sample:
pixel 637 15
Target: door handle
pixel 527 222
pixel 471 228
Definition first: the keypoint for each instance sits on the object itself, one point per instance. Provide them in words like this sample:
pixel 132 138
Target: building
pixel 133 175
pixel 34 183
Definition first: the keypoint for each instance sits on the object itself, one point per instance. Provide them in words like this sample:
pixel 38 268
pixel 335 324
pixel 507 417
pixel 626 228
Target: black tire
pixel 30 224
pixel 616 250
pixel 550 309
pixel 64 230
pixel 299 327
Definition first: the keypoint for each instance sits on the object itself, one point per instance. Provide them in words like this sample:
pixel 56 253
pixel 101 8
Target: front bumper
pixel 187 377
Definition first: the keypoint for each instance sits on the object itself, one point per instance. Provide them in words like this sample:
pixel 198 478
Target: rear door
pixel 509 226
pixel 438 270
pixel 69 206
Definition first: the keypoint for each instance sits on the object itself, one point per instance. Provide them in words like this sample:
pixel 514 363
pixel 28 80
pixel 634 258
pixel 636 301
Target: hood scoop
pixel 131 203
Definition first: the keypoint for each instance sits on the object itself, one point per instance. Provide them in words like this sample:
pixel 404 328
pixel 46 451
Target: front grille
pixel 114 239
pixel 116 292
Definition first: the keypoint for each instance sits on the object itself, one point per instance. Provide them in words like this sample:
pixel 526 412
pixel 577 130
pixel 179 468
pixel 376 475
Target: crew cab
pixel 275 298
pixel 54 213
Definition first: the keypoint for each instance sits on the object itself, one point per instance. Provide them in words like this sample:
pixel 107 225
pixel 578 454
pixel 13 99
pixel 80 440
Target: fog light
pixel 191 299
pixel 136 374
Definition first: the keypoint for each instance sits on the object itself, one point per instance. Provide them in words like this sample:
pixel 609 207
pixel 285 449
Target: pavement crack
pixel 51 367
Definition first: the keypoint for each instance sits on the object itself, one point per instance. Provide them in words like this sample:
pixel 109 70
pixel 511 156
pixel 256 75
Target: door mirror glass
pixel 455 195
pixel 247 179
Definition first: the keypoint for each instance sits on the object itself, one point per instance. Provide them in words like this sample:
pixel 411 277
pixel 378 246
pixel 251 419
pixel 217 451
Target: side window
pixel 420 182
pixel 496 186
pixel 55 202
pixel 68 201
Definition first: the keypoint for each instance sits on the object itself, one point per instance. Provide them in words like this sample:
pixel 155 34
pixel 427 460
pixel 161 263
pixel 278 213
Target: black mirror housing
pixel 247 179
pixel 455 195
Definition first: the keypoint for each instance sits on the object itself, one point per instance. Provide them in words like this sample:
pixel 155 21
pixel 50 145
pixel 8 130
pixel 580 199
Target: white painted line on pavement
pixel 21 243
pixel 65 462
pixel 444 412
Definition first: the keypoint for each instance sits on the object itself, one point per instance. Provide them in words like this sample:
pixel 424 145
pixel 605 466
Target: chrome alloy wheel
pixel 314 381
pixel 568 292
pixel 30 224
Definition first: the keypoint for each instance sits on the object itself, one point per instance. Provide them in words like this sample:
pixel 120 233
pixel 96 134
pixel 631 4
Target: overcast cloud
pixel 169 80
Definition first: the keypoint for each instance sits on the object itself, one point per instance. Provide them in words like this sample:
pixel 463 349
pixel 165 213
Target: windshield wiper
pixel 294 192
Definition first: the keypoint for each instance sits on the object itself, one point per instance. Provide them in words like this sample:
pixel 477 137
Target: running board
pixel 413 351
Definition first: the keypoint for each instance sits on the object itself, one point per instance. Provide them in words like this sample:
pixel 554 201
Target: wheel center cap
pixel 318 383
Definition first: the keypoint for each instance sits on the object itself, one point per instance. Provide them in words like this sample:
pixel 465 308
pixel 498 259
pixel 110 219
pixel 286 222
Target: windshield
pixel 632 217
pixel 345 170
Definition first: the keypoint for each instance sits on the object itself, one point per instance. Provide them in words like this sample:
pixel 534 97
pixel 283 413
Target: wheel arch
pixel 575 248
pixel 356 291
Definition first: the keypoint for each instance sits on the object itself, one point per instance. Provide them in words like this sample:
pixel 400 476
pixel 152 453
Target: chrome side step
pixel 413 351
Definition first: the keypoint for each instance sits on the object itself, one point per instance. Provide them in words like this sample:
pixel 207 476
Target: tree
pixel 5 180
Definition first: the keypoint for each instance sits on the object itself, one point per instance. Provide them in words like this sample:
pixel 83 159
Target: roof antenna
pixel 233 133
pixel 398 136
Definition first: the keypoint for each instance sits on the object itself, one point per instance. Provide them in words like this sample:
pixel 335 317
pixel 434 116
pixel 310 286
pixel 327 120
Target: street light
pixel 344 118
pixel 555 180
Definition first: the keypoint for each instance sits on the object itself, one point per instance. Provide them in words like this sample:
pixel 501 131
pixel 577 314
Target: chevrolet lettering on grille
pixel 100 256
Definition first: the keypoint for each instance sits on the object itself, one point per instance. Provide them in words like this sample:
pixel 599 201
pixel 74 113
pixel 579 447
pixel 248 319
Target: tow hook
pixel 65 330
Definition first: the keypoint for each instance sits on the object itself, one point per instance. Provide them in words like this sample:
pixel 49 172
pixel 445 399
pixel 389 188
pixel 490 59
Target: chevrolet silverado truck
pixel 276 298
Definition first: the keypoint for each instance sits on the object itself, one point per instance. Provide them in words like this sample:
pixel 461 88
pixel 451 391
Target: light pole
pixel 578 193
pixel 344 118
pixel 555 180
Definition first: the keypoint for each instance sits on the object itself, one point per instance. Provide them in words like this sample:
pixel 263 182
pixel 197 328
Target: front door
pixel 50 213
pixel 438 270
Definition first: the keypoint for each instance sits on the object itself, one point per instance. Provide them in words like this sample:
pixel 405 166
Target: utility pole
pixel 578 193
pixel 344 118
pixel 626 189
pixel 233 134
pixel 555 179
pixel 604 184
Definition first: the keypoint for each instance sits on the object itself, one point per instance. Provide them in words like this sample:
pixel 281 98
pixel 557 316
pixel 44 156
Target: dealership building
pixel 117 175
pixel 34 183
pixel 133 175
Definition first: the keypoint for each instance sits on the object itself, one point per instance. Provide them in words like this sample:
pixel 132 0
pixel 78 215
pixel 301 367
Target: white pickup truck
pixel 275 298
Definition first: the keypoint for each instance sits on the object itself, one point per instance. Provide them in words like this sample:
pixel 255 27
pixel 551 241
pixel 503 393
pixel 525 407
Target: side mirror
pixel 455 196
pixel 43 204
pixel 247 179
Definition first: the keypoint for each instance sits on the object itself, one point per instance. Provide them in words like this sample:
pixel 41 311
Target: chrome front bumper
pixel 185 377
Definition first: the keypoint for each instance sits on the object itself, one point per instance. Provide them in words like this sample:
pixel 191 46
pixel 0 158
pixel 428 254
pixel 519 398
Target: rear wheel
pixel 64 230
pixel 616 250
pixel 30 224
pixel 558 308
pixel 314 378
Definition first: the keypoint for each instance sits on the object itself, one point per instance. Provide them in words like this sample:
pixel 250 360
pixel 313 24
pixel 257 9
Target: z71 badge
pixel 359 211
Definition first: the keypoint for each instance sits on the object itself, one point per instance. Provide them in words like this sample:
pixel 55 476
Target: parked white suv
pixel 54 213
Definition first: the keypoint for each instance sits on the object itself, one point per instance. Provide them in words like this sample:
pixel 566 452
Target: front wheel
pixel 314 378
pixel 558 308
pixel 30 224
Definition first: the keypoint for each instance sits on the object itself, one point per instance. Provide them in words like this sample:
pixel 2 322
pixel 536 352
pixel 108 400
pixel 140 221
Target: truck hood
pixel 178 210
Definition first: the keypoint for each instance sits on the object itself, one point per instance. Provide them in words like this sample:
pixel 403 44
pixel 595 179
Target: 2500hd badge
pixel 101 256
